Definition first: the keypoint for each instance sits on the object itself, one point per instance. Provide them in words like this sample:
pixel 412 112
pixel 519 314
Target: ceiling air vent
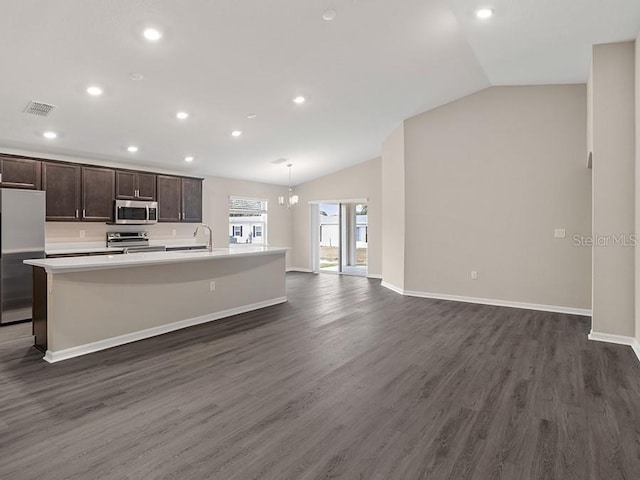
pixel 38 108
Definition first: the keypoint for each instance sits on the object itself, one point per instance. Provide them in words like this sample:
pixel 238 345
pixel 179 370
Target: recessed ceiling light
pixel 299 99
pixel 329 15
pixel 94 91
pixel 50 135
pixel 236 133
pixel 251 116
pixel 136 77
pixel 188 159
pixel 484 13
pixel 182 115
pixel 152 34
pixel 132 148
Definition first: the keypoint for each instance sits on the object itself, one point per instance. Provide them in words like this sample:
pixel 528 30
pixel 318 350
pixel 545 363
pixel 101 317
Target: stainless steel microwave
pixel 132 212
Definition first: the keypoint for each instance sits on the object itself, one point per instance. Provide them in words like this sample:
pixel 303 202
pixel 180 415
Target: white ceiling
pixel 377 63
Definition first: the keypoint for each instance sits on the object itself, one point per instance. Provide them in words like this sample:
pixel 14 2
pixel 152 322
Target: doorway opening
pixel 343 238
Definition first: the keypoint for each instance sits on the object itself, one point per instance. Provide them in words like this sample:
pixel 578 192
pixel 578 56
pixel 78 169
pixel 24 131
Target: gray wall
pixel 393 209
pixel 637 190
pixel 488 178
pixel 613 73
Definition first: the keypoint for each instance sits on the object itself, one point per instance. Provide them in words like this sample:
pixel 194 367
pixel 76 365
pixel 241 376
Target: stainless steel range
pixel 133 242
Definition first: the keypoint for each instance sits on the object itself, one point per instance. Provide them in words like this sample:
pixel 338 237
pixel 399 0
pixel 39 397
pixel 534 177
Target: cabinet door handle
pixel 137 194
pixel 76 213
pixel 84 213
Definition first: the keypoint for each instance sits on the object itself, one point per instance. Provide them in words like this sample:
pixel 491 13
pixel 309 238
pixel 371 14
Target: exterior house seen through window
pixel 247 221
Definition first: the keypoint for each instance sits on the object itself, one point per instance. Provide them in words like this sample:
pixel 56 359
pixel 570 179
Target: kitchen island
pixel 85 304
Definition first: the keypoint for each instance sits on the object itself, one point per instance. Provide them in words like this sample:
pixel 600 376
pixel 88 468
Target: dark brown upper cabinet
pixel 146 186
pixel 98 191
pixel 135 185
pixel 192 200
pixel 63 185
pixel 169 196
pixel 17 172
pixel 179 199
pixel 77 192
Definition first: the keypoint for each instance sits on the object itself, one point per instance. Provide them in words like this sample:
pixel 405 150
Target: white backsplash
pixel 73 232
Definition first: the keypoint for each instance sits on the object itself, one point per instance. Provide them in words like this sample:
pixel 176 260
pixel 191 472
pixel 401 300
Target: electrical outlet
pixel 81 233
pixel 173 232
pixel 474 275
pixel 560 233
pixel 212 286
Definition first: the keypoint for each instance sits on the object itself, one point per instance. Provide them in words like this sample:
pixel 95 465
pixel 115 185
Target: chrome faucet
pixel 204 225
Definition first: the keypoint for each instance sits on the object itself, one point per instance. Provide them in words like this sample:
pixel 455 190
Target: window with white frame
pixel 247 221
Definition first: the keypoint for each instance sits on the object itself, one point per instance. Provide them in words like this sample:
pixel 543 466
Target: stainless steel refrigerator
pixel 22 217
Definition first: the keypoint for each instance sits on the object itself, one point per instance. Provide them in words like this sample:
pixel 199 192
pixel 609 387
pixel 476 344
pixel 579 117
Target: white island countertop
pixel 104 262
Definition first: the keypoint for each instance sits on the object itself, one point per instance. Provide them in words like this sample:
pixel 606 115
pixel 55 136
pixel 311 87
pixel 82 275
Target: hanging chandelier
pixel 293 199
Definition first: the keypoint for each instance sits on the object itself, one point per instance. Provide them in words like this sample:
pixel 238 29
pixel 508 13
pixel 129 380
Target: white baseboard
pixel 67 353
pixel 617 339
pixel 486 301
pixel 298 269
pixel 374 276
pixel 609 338
pixel 393 288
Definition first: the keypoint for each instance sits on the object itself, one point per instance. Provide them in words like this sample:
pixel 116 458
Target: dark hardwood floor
pixel 347 380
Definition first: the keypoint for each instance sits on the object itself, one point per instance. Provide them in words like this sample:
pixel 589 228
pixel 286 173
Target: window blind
pixel 247 206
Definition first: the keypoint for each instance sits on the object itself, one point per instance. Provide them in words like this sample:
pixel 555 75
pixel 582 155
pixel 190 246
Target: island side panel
pixel 93 306
pixel 39 309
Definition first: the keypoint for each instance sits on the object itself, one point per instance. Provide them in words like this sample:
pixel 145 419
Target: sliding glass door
pixel 329 229
pixel 343 238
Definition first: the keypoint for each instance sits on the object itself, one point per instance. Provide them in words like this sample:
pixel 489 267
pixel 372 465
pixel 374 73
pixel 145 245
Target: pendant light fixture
pixel 293 199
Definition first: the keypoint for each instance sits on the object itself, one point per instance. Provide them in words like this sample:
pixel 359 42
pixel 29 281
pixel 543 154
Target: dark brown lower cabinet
pixel 88 254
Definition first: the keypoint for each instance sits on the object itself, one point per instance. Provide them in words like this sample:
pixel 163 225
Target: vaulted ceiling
pixel 376 63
